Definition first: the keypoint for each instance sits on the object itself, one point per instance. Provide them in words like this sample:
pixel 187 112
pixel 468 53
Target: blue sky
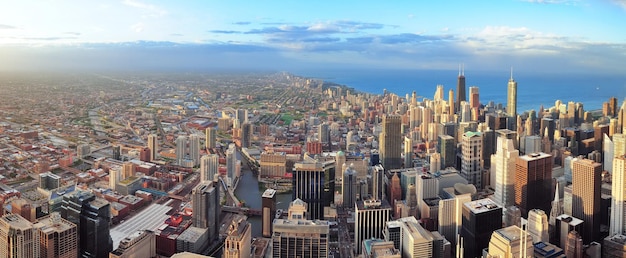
pixel 545 35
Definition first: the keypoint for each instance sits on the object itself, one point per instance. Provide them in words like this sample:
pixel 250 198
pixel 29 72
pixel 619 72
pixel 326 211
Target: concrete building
pixel 471 158
pixel 193 239
pixel 533 182
pixel 371 217
pixel 447 148
pixel 194 149
pixel 586 185
pixel 378 248
pixel 181 149
pixel 268 202
pixel 511 242
pixel 298 237
pixel 209 165
pixel 237 243
pixel 480 219
pixel 18 237
pixel 273 164
pixel 142 242
pixel 618 197
pixel 503 166
pixel 210 138
pixel 391 141
pixel 206 208
pixel 538 226
pixel 153 145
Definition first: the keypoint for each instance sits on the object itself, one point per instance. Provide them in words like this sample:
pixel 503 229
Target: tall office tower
pixel 210 138
pixel 375 248
pixel 408 152
pixel 340 160
pixel 241 116
pixel 416 241
pixel 323 133
pixel 395 190
pixel 237 243
pixel 438 93
pixel 377 174
pixel 153 145
pixel 474 97
pixel 349 186
pixel 92 216
pixel 447 148
pixel 391 142
pixel 117 151
pixel 538 226
pixel 460 90
pixel 371 217
pixel 194 148
pixel 313 183
pixel 139 242
pixel 533 182
pixel 205 201
pixel 300 238
pixel 465 112
pixel 427 187
pixel 23 208
pixel 231 162
pixel 181 149
pixel 415 117
pixel 427 118
pixel 503 164
pixel 471 167
pixel 209 165
pixel 450 216
pixel 618 200
pixel 435 162
pixel 586 186
pixel 512 216
pixel 511 242
pixel 268 202
pixel 532 144
pixel 246 135
pixel 58 237
pixel 613 106
pixel 574 245
pixel 619 145
pixel 128 169
pixel 480 219
pixel 115 175
pixel 18 237
pixel 451 103
pixel 511 105
pixel 83 150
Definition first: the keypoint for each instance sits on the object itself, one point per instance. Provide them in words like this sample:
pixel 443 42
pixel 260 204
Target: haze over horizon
pixel 542 36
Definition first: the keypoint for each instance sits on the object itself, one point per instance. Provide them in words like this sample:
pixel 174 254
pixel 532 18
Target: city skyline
pixel 538 35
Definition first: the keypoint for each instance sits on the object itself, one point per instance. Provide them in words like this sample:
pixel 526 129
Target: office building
pixel 274 164
pixel 313 183
pixel 18 237
pixel 349 186
pixel 511 104
pixel 474 97
pixel 83 150
pixel 503 165
pixel 564 225
pixel 246 135
pixel 586 185
pixel 391 142
pixel 192 239
pixel 24 208
pixel 538 226
pixel 205 201
pixel 210 138
pixel 117 151
pixel 446 147
pixel 371 216
pixel 416 241
pixel 194 149
pixel 153 145
pixel 298 237
pixel 618 197
pixel 533 182
pixel 141 242
pixel 209 165
pixel 238 239
pixel 181 149
pixel 49 181
pixel 58 237
pixel 268 202
pixel 471 158
pixel 511 242
pixel 408 152
pixel 128 170
pixel 231 162
pixel 323 134
pixel 450 216
pixel 614 246
pixel 574 245
pixel 92 217
pixel 480 219
pixel 378 248
pixel 460 90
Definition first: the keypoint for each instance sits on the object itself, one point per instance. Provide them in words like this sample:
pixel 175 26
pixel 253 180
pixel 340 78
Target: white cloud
pixel 137 27
pixel 151 10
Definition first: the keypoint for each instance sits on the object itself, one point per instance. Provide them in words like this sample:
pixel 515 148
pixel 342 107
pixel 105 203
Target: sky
pixel 549 36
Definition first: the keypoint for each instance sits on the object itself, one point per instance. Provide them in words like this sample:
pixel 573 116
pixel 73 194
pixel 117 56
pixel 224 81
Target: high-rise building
pixel 451 103
pixel 210 138
pixel 416 241
pixel 181 149
pixel 619 144
pixel 128 170
pixel 574 245
pixel 474 99
pixel 349 186
pixel 614 246
pixel 237 243
pixel 246 135
pixel 139 242
pixel 450 216
pixel 268 202
pixel 447 148
pixel 205 201
pixel 511 105
pixel 274 164
pixel 564 225
pixel 117 151
pixel 533 182
pixel 586 187
pixel 18 237
pixel 511 242
pixel 298 237
pixel 391 142
pixel 375 248
pixel 209 165
pixel 371 216
pixel 618 197
pixel 538 226
pixel 313 183
pixel 153 145
pixel 323 133
pixel 471 167
pixel 231 162
pixel 24 208
pixel 408 152
pixel 241 116
pixel 58 237
pixel 92 217
pixel 503 165
pixel 49 181
pixel 194 148
pixel 460 90
pixel 480 219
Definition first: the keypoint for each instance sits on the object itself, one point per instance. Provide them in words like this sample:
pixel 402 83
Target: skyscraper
pixel 447 148
pixel 237 243
pixel 153 145
pixel 313 183
pixel 391 142
pixel 205 201
pixel 58 237
pixel 268 202
pixel 511 105
pixel 538 226
pixel 503 164
pixel 586 183
pixel 506 242
pixel 618 194
pixel 194 148
pixel 408 152
pixel 209 167
pixel 460 89
pixel 370 219
pixel 246 135
pixel 533 182
pixel 18 237
pixel 474 97
pixel 450 216
pixel 349 186
pixel 210 138
pixel 92 216
pixel 181 149
pixel 480 219
pixel 471 167
pixel 231 162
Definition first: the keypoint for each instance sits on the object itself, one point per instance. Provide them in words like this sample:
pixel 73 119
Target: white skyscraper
pixel 618 194
pixel 450 216
pixel 471 167
pixel 194 148
pixel 408 152
pixel 503 164
pixel 231 161
pixel 208 167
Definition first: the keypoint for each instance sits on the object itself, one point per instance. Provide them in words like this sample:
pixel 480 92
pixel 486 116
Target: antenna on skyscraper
pixel 511 72
pixel 463 70
pixel 459 69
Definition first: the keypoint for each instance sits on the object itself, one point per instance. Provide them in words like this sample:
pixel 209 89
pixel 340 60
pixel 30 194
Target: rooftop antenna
pixel 463 70
pixel 459 69
pixel 511 72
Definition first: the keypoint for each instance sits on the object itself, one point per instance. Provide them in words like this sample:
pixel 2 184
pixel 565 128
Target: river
pixel 248 192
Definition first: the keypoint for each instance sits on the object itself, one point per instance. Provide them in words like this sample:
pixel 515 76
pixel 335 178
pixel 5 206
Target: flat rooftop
pixel 482 205
pixel 535 156
pixel 269 193
pixel 150 218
